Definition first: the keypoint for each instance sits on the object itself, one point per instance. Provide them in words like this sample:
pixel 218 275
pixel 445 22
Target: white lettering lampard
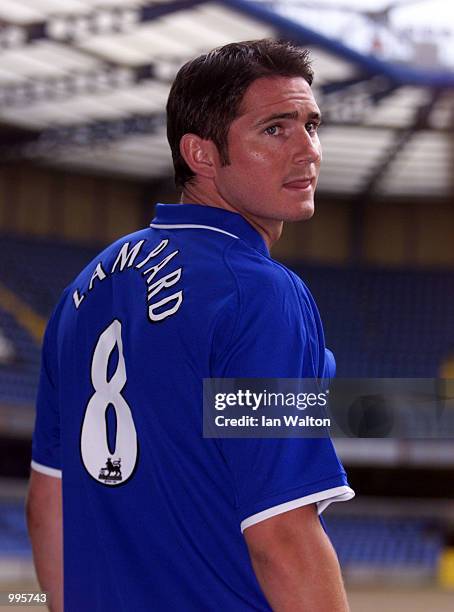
pixel 158 310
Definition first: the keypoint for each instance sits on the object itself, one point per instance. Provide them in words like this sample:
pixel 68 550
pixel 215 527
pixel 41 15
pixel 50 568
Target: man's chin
pixel 301 213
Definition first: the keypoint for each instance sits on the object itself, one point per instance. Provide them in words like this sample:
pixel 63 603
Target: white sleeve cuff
pixel 44 469
pixel 322 498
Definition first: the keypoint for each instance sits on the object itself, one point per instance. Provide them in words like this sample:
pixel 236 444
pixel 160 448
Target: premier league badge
pixel 111 472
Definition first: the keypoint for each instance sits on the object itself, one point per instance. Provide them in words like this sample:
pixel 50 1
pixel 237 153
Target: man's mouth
pixel 299 184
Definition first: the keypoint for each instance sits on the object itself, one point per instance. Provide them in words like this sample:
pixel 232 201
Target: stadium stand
pixel 368 547
pixel 13 533
pixel 18 377
pixel 385 322
pixel 30 284
pixel 29 270
pixel 15 551
pixel 385 545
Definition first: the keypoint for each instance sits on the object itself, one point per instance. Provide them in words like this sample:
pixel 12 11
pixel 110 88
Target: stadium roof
pixel 83 85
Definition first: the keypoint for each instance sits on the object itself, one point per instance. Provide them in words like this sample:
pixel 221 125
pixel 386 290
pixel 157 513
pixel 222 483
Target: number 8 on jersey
pixel 111 469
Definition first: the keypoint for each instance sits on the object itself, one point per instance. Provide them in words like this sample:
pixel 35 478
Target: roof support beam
pixel 368 64
pixel 107 78
pixel 350 100
pixel 403 137
pixel 359 203
pixel 102 21
pixel 97 133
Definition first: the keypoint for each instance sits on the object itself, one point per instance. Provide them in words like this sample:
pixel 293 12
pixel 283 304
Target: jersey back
pixel 153 512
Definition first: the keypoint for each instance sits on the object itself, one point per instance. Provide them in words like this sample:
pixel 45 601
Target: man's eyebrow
pixel 313 116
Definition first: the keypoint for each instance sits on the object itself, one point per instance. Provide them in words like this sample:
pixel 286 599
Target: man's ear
pixel 199 154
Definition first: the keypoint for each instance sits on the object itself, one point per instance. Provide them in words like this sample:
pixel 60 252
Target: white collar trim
pixel 192 226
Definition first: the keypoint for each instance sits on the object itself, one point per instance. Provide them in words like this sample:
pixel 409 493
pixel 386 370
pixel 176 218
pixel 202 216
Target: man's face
pixel 274 151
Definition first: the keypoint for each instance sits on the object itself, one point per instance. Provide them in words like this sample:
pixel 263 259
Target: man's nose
pixel 308 149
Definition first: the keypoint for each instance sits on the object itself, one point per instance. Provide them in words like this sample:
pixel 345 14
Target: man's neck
pixel 269 229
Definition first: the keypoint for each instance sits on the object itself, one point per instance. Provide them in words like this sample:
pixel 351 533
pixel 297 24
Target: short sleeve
pixel 276 338
pixel 272 476
pixel 46 436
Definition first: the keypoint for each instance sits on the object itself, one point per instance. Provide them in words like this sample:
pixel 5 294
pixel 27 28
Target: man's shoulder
pixel 256 272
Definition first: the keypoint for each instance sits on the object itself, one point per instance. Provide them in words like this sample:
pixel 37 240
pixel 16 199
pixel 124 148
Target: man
pixel 188 523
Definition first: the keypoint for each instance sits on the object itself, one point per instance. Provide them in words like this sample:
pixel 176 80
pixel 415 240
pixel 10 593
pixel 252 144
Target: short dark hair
pixel 207 92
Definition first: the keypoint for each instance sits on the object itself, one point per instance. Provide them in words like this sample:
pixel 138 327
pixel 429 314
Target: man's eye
pixel 312 127
pixel 273 130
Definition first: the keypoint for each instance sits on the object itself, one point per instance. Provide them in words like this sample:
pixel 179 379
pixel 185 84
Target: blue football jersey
pixel 153 513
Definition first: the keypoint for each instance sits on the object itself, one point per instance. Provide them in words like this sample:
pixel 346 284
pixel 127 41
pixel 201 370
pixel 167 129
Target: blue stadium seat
pixel 386 542
pixel 13 532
